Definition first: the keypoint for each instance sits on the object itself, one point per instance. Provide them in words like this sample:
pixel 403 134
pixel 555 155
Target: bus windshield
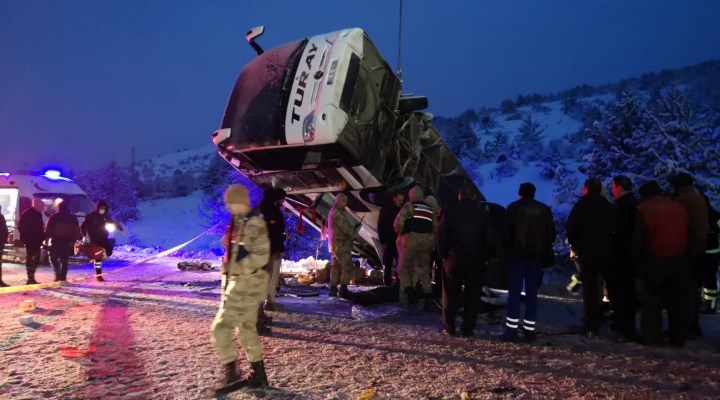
pixel 256 109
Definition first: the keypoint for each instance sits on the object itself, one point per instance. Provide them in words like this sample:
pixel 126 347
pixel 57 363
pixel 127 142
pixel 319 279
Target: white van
pixel 17 190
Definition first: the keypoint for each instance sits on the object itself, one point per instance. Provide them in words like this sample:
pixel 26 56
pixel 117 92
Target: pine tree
pixel 499 143
pixel 113 184
pixel 529 143
pixel 654 142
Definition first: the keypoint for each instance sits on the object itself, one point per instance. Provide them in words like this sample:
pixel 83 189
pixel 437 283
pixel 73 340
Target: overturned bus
pixel 325 115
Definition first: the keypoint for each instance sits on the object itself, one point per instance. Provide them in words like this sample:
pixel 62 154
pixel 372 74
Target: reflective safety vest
pixel 421 220
pixel 713 245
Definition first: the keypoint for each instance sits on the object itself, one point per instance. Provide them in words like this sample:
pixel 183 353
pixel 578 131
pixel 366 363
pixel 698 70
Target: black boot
pixel 428 304
pixel 98 272
pixel 344 292
pixel 411 295
pixel 230 381
pixel 31 279
pixel 31 274
pixel 63 270
pixel 257 378
pixel 56 268
pixel 2 284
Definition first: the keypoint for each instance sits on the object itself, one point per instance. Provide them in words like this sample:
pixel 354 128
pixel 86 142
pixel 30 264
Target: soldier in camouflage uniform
pixel 244 286
pixel 340 241
pixel 415 225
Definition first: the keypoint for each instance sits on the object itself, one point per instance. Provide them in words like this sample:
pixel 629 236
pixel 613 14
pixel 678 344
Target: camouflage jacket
pixel 340 232
pixel 247 245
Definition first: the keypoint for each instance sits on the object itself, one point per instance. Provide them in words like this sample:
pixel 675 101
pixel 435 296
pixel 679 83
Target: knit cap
pixel 237 194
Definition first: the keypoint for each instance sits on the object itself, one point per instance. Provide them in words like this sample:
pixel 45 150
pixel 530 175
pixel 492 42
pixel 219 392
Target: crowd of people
pixel 59 237
pixel 650 254
pixel 658 252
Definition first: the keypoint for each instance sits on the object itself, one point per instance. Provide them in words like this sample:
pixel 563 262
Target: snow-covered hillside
pixel 193 162
pixel 166 223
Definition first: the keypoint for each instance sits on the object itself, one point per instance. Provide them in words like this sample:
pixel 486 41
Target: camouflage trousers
pixel 341 269
pixel 414 251
pixel 239 309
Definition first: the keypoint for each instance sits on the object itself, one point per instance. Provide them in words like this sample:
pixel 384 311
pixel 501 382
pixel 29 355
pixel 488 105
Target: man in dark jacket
pixel 270 208
pixel 590 230
pixel 621 276
pixel 696 208
pixel 529 233
pixel 464 242
pixel 659 249
pixel 388 236
pixel 94 226
pixel 62 231
pixel 3 239
pixel 32 234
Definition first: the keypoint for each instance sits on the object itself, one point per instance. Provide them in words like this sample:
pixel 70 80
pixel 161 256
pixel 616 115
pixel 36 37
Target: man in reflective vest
pixel 415 225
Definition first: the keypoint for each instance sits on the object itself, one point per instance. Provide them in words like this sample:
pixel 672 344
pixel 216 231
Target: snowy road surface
pixel 144 334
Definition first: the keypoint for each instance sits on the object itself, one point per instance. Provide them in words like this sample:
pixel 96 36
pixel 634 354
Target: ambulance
pixel 17 191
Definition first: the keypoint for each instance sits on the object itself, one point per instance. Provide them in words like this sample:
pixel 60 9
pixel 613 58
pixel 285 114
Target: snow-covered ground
pixel 144 334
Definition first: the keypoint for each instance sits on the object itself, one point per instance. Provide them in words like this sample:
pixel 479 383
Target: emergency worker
pixel 95 226
pixel 660 242
pixel 62 231
pixel 415 225
pixel 244 286
pixel 529 235
pixel 697 211
pixel 4 233
pixel 388 236
pixel 710 261
pixel 341 235
pixel 32 233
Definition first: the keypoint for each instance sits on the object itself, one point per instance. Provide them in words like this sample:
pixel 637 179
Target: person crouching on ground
pixel 244 286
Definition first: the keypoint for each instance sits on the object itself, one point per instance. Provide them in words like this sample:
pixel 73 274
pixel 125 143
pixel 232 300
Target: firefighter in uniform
pixel 340 240
pixel 415 225
pixel 244 286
